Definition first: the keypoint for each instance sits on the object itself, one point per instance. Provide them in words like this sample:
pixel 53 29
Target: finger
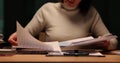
pixel 13 42
pixel 107 42
pixel 99 36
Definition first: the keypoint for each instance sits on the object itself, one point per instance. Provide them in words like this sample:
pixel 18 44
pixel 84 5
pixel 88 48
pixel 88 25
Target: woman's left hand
pixel 103 45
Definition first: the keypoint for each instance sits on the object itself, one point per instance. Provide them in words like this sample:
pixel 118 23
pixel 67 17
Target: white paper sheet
pixel 85 41
pixel 116 52
pixel 96 54
pixel 26 40
pixel 69 42
pixel 92 41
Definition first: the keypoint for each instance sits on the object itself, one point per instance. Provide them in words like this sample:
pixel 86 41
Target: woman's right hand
pixel 13 39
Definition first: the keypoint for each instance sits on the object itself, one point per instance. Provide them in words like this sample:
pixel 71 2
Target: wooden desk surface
pixel 43 58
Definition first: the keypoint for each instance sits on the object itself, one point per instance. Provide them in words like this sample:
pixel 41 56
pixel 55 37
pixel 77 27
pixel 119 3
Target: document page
pixel 69 42
pixel 92 41
pixel 26 40
pixel 85 41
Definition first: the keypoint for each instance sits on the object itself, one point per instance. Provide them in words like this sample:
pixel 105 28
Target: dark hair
pixel 84 6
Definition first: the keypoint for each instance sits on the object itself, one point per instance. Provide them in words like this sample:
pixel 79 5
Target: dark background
pixel 23 11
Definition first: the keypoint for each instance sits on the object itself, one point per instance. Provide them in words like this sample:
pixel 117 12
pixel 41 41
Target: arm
pixel 37 24
pixel 99 29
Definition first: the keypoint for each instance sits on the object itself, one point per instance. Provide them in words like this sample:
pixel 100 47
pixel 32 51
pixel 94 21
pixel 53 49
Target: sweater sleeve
pixel 99 29
pixel 36 25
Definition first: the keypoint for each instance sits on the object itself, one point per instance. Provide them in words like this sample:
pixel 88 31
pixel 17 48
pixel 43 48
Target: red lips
pixel 71 1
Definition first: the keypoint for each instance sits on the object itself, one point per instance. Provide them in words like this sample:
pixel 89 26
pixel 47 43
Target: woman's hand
pixel 104 45
pixel 13 39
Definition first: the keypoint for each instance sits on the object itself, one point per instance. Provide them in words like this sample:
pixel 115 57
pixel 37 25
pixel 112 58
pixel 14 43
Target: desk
pixel 43 58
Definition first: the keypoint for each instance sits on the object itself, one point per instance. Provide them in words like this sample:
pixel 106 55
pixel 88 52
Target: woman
pixel 66 20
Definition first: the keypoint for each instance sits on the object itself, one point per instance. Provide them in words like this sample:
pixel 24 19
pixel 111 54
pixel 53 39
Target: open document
pixel 26 40
pixel 86 41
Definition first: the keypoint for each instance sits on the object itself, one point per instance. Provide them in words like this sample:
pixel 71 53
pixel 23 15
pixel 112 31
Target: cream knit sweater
pixel 61 24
